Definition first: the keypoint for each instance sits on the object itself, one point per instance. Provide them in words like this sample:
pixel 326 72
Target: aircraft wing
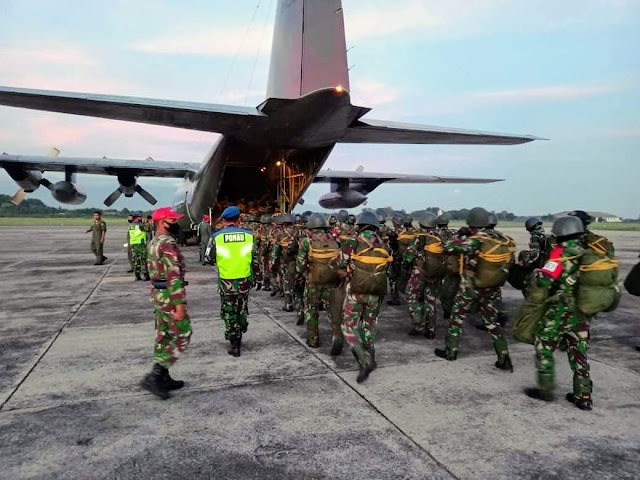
pixel 100 166
pixel 224 119
pixel 338 176
pixel 378 131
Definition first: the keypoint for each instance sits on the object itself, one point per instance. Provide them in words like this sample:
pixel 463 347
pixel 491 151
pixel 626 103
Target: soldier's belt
pixel 162 284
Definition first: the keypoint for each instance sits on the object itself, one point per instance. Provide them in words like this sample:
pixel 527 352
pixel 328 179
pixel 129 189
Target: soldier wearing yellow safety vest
pixel 234 250
pixel 138 242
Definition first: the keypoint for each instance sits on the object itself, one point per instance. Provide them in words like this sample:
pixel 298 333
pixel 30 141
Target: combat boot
pixel 155 383
pixel 275 291
pixel 146 277
pixel 234 350
pixel 170 382
pixel 502 351
pixel 313 340
pixel 581 396
pixel 450 351
pixel 545 389
pixel 430 334
pixel 258 286
pixel 336 347
pixel 394 301
pixel 300 319
pixel 414 332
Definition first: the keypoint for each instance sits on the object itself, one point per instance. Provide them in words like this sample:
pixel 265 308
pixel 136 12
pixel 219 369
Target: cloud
pixel 372 93
pixel 20 54
pixel 549 93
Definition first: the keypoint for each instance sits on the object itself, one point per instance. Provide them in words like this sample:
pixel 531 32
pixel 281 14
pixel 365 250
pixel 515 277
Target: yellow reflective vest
pixel 136 235
pixel 234 247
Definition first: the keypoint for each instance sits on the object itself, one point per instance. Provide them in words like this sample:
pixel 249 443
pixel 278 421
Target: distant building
pixel 598 216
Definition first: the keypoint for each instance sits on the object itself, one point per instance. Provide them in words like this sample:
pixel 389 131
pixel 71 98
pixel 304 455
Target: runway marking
pixel 74 311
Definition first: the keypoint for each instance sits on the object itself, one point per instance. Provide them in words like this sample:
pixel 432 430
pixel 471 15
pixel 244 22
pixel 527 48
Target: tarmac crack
pixel 76 308
pixel 352 388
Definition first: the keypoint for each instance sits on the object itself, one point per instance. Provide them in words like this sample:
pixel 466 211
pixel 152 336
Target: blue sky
pixel 568 71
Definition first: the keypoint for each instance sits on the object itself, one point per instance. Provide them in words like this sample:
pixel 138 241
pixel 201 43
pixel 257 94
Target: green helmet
pixel 407 221
pixel 333 219
pixel 397 219
pixel 287 218
pixel 567 225
pixel 351 220
pixel 266 218
pixel 428 220
pixel 298 218
pixel 381 220
pixel 316 220
pixel 368 218
pixel 444 219
pixel 277 219
pixel 493 220
pixel 343 216
pixel 584 217
pixel 532 223
pixel 478 217
pixel 251 218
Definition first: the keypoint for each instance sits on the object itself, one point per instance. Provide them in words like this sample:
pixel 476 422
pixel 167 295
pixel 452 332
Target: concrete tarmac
pixel 75 339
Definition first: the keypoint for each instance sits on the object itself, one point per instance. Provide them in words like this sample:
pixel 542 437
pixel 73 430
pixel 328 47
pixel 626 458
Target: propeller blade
pixel 46 183
pixel 113 197
pixel 18 197
pixel 146 195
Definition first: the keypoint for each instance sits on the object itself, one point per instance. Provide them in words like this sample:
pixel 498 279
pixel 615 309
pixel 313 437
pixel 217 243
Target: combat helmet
pixel 333 220
pixel 265 219
pixel 298 218
pixel 567 226
pixel 287 218
pixel 584 217
pixel 444 219
pixel 407 221
pixel 368 218
pixel 428 220
pixel 493 220
pixel 343 216
pixel 478 217
pixel 316 220
pixel 397 219
pixel 532 223
pixel 351 220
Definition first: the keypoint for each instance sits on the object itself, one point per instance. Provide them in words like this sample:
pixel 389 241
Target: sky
pixel 568 71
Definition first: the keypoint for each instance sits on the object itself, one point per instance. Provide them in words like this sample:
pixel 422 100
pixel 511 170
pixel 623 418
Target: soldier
pixel 138 242
pixel 129 251
pixel 98 231
pixel 561 320
pixel 234 251
pixel 425 259
pixel 348 228
pixel 443 226
pixel 169 298
pixel 316 263
pixel 486 260
pixel 204 234
pixel 405 237
pixel 264 250
pixel 283 256
pixel 592 240
pixel 333 226
pixel 503 318
pixel 539 248
pixel 451 280
pixel 365 258
pixel 151 230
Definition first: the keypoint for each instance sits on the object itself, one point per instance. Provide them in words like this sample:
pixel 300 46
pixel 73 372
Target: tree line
pixel 32 207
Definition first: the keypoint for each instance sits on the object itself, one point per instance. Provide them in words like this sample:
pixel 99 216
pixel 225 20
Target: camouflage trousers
pixel 561 323
pixel 314 297
pixel 486 300
pixel 267 276
pixel 359 322
pixel 139 253
pixel 130 257
pixel 394 275
pixel 421 297
pixel 172 337
pixel 287 275
pixel 234 306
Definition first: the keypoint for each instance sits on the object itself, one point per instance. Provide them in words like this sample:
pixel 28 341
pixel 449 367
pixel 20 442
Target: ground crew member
pixel 365 259
pixel 562 321
pixel 472 243
pixel 138 242
pixel 425 258
pixel 234 251
pixel 98 231
pixel 317 263
pixel 169 298
pixel 204 234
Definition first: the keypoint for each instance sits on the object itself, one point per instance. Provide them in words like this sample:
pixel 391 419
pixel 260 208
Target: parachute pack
pixel 405 239
pixel 598 289
pixel 494 259
pixel 530 314
pixel 368 269
pixel 322 262
pixel 433 264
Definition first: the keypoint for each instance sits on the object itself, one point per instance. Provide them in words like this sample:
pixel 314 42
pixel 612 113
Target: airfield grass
pixel 122 221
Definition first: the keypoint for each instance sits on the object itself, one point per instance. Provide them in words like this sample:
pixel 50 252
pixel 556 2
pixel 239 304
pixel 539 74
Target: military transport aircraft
pixel 277 148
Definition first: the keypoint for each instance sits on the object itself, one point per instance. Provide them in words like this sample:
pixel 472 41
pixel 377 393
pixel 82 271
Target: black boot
pixel 258 286
pixel 450 351
pixel 146 277
pixel 394 301
pixel 446 314
pixel 138 278
pixel 300 319
pixel 505 364
pixel 234 350
pixel 155 382
pixel 581 396
pixel 540 394
pixel 275 292
pixel 336 348
pixel 170 382
pixel 502 319
pixel 430 334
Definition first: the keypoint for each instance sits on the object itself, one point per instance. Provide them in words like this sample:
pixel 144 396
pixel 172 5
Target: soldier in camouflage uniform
pixel 234 249
pixel 264 250
pixel 316 264
pixel 562 321
pixel 469 242
pixel 451 279
pixel 168 296
pixel 503 318
pixel 539 247
pixel 283 257
pixel 365 258
pixel 423 286
pixel 443 226
pixel 395 266
pixel 98 230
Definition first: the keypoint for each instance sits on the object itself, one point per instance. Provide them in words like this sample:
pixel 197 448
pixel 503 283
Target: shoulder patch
pixel 234 237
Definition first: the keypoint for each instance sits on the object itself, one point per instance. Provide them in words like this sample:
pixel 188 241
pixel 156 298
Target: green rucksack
pixel 369 269
pixel 598 289
pixel 530 314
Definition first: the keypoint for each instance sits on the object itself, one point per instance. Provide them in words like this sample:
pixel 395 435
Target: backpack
pixel 531 313
pixel 494 260
pixel 322 261
pixel 405 239
pixel 368 269
pixel 598 289
pixel 433 263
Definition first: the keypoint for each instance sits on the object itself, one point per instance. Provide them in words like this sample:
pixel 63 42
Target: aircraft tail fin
pixel 309 48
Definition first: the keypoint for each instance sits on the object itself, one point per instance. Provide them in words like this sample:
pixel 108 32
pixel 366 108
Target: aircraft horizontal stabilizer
pixel 329 176
pixel 378 131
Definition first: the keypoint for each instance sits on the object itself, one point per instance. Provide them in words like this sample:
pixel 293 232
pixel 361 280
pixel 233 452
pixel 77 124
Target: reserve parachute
pixel 433 263
pixel 368 269
pixel 322 262
pixel 494 260
pixel 598 289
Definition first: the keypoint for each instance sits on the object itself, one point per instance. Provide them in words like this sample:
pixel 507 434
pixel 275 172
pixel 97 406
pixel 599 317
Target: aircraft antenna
pixel 258 48
pixel 240 45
